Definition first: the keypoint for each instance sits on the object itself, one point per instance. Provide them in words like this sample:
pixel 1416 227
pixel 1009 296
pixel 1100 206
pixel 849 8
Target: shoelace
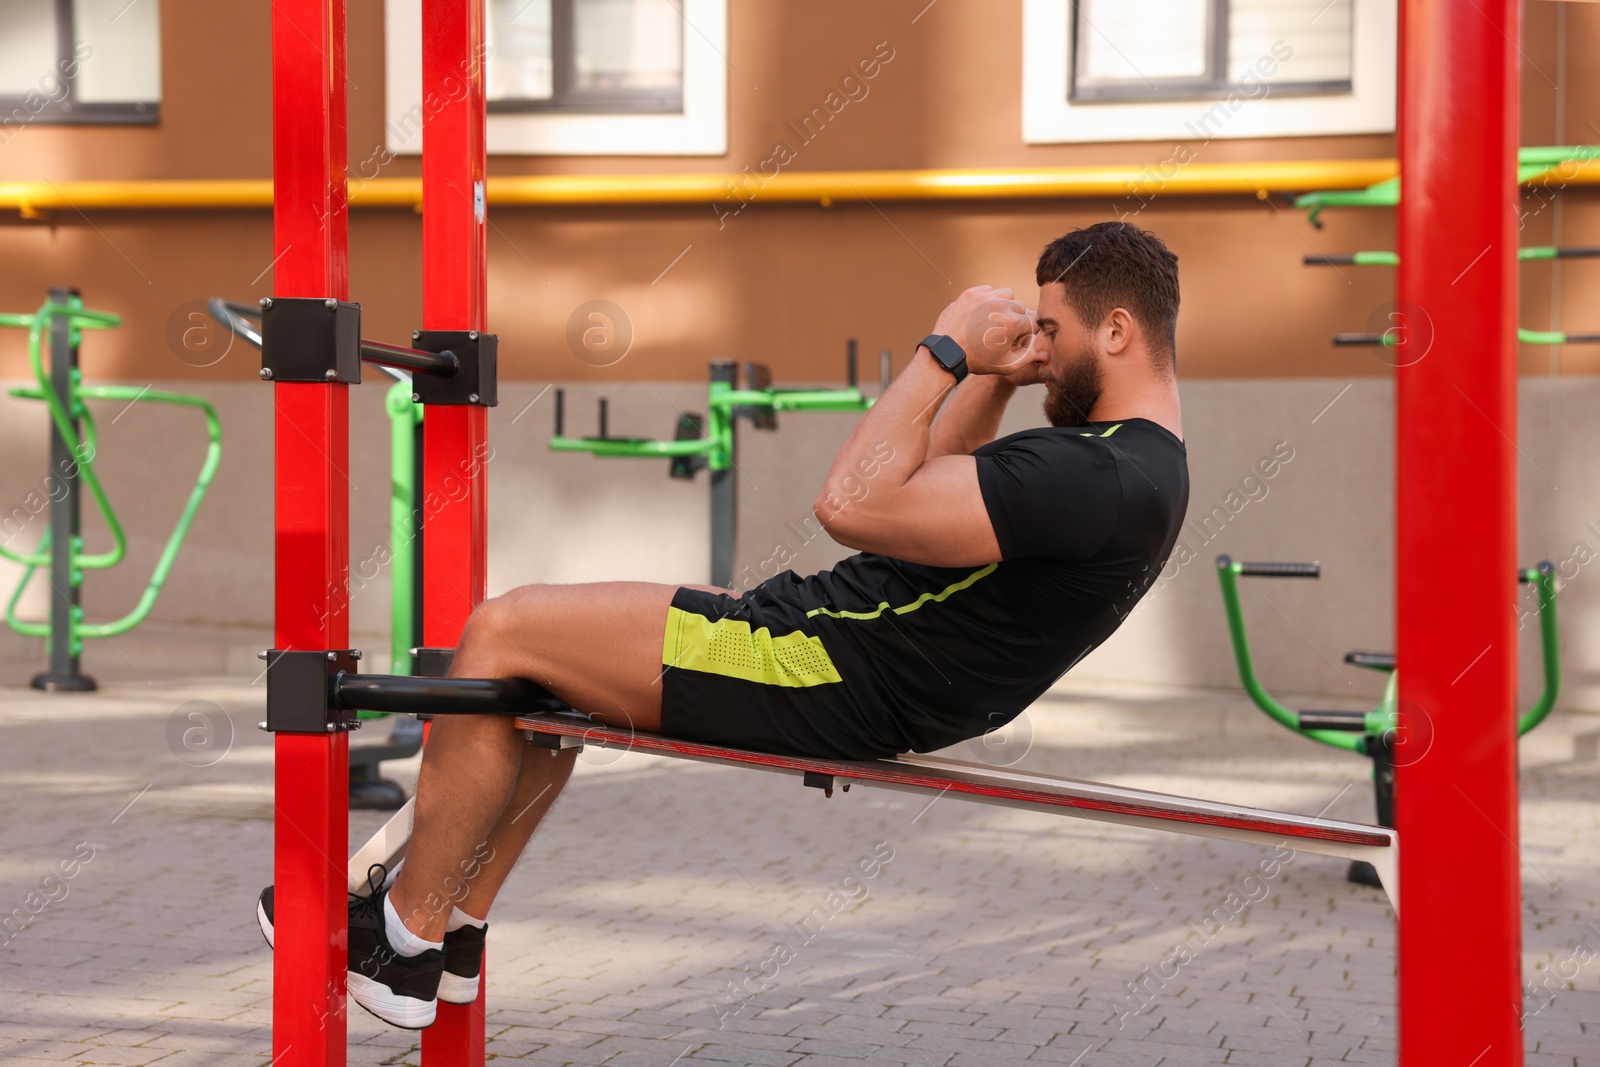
pixel 372 903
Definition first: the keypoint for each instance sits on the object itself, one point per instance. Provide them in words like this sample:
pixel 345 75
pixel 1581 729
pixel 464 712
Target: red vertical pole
pixel 311 549
pixel 1456 793
pixel 454 439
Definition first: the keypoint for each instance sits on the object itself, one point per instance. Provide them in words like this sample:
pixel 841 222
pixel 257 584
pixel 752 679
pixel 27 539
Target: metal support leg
pixel 724 490
pixel 65 515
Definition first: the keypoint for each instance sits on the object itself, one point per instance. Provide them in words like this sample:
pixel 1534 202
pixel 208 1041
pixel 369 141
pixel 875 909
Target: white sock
pixel 403 941
pixel 459 918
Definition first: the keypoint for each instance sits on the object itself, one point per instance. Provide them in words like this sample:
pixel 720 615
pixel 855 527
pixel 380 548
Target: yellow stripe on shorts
pixel 730 648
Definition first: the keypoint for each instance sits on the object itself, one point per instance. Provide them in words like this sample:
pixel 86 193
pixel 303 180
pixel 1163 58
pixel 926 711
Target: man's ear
pixel 1118 331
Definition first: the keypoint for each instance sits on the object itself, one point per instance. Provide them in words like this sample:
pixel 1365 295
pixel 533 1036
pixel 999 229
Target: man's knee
pixel 500 626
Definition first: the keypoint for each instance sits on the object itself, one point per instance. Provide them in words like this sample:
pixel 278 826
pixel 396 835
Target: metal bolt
pixel 332 656
pixel 472 335
pixel 262 654
pixel 416 335
pixel 262 725
pixel 472 398
pixel 266 374
pixel 416 398
pixel 331 304
pixel 331 727
pixel 355 653
pixel 266 303
pixel 330 375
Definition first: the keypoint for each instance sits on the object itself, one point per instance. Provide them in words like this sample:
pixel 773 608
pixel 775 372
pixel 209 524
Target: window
pixel 79 61
pixel 581 77
pixel 1149 70
pixel 1205 49
pixel 616 56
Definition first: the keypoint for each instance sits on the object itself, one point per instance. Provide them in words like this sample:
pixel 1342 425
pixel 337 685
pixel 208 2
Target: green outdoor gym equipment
pixel 73 450
pixel 1372 733
pixel 1532 163
pixel 711 441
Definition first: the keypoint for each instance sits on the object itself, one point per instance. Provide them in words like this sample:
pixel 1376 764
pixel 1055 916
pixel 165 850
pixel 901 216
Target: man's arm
pixel 971 417
pixel 886 492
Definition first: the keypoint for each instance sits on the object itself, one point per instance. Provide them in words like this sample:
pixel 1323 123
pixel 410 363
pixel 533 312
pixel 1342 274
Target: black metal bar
pixel 561 412
pixel 406 695
pixel 605 419
pixel 1577 253
pixel 1280 570
pixel 236 317
pixel 1330 261
pixel 885 370
pixel 1581 339
pixel 850 362
pixel 412 359
pixel 65 510
pixel 1358 339
pixel 1352 721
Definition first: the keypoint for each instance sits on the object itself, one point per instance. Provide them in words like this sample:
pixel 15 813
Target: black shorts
pixel 750 672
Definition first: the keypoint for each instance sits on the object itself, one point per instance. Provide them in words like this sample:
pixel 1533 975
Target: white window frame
pixel 701 129
pixel 1048 117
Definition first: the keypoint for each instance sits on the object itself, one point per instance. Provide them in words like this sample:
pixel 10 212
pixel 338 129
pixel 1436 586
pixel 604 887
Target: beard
pixel 1072 395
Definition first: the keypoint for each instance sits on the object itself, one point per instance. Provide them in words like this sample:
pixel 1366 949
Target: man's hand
pixel 995 330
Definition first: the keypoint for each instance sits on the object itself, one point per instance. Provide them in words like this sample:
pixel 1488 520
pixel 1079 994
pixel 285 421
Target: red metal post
pixel 1456 796
pixel 454 439
pixel 311 535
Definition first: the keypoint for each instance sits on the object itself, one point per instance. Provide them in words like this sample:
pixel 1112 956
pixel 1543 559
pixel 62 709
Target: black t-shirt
pixel 1085 517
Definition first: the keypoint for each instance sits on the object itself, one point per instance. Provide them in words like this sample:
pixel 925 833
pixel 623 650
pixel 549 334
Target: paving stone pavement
pixel 641 928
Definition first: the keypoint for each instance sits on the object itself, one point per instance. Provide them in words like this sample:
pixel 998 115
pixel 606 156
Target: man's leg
pixel 483 789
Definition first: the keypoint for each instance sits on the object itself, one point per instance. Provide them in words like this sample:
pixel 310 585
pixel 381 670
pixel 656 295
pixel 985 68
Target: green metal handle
pixel 169 552
pixel 1384 718
pixel 722 403
pixel 1228 575
pixel 633 447
pixel 39 323
pixel 1532 162
pixel 1543 580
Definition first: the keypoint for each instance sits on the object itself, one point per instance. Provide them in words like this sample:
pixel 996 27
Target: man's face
pixel 1071 373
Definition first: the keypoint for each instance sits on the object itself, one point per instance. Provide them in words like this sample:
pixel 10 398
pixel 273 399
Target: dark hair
pixel 1110 265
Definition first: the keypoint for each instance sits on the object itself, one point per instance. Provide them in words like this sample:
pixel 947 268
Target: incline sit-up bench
pixel 312 353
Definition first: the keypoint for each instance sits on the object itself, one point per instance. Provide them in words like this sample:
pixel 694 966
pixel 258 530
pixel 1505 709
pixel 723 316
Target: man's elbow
pixel 838 515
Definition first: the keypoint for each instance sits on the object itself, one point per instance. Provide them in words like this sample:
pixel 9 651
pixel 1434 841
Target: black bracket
pixel 691 427
pixel 432 662
pixel 310 340
pixel 300 691
pixel 475 382
pixel 824 782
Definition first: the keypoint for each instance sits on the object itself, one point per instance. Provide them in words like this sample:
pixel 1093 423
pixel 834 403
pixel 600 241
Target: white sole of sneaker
pixel 454 989
pixel 408 1013
pixel 266 924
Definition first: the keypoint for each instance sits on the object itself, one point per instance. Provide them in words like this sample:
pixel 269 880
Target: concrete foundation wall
pixel 574 518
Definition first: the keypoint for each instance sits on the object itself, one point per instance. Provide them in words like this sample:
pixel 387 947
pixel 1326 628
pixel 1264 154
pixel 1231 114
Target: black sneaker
pixel 463 960
pixel 400 990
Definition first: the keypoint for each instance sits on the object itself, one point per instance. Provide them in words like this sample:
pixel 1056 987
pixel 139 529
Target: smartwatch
pixel 948 351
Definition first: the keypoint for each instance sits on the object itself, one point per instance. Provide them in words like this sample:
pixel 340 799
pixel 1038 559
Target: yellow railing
pixel 730 190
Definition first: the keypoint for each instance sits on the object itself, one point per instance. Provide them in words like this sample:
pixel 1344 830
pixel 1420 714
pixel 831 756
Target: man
pixel 985 570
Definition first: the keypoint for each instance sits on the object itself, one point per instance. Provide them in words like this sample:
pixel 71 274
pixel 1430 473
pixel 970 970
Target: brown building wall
pixel 786 283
